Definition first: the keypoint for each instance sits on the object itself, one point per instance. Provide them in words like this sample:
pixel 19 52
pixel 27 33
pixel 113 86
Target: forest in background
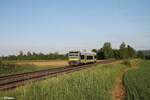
pixel 106 52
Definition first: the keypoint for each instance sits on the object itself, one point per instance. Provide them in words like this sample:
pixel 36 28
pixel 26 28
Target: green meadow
pixel 137 82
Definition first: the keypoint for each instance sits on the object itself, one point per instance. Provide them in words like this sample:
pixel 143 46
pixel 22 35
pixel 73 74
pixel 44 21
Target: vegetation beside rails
pixel 137 82
pixel 8 67
pixel 95 83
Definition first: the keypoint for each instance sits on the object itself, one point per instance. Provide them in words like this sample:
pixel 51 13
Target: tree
pixel 34 54
pixel 29 53
pixel 107 50
pixel 123 51
pixel 94 50
pixel 140 55
pixel 21 53
pixel 100 54
pixel 123 45
pixel 147 57
pixel 131 52
pixel 0 62
pixel 116 53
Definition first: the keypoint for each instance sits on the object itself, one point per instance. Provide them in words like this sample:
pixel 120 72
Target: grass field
pixel 137 82
pixel 40 63
pixel 13 67
pixel 95 83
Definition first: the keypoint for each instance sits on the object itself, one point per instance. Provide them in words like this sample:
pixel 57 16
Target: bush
pixel 127 62
pixel 0 62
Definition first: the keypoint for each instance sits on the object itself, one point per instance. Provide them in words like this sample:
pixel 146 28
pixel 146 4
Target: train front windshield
pixel 73 55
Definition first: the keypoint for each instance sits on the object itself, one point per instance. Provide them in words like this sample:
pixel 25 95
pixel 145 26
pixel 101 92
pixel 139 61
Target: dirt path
pixel 119 90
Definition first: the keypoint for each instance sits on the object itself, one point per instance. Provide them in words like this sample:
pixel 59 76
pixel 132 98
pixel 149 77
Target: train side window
pixel 89 57
pixel 82 56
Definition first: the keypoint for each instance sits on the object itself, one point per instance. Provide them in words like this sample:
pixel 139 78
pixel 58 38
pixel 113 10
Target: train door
pixel 83 59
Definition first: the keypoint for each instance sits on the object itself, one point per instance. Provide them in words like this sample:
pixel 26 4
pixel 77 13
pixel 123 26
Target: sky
pixel 63 25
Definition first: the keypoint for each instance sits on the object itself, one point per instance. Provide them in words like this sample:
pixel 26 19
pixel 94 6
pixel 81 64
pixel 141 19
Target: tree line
pixel 106 52
pixel 34 56
pixel 124 52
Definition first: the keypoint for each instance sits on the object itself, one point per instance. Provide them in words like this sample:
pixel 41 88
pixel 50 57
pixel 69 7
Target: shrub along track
pixel 13 81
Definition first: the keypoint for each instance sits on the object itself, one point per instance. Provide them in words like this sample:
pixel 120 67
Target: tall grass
pixel 6 68
pixel 137 82
pixel 127 62
pixel 9 67
pixel 90 84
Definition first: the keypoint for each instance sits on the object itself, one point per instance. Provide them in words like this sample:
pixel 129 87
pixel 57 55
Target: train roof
pixel 83 53
pixel 88 53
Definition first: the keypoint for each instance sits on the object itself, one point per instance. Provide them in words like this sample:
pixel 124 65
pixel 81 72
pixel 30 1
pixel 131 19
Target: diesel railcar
pixel 78 58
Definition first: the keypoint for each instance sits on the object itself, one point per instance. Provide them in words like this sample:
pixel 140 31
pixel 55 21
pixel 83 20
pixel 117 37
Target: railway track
pixel 13 81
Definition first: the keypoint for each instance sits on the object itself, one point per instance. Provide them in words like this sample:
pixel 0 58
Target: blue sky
pixel 62 25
